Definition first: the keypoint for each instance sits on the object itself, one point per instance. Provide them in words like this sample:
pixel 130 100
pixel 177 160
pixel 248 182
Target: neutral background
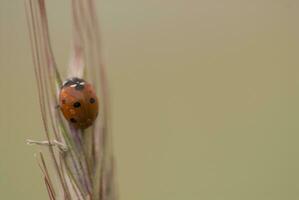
pixel 204 98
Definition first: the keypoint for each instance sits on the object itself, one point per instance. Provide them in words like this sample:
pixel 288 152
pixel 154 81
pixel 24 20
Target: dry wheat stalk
pixel 82 160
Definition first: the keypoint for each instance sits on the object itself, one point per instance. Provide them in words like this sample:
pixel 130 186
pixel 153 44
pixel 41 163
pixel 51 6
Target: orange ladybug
pixel 78 103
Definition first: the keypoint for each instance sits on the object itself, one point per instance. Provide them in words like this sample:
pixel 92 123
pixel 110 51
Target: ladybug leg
pixel 57 106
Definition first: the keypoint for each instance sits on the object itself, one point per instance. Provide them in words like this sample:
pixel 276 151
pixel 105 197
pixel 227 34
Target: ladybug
pixel 78 102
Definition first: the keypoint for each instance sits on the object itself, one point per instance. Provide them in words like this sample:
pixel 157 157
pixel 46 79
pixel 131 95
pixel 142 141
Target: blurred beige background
pixel 204 95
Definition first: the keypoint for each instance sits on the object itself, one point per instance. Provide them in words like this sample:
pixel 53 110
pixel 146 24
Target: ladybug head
pixel 74 82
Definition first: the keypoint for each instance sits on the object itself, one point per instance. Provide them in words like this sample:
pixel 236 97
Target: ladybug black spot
pixel 73 120
pixel 92 100
pixel 63 101
pixel 77 104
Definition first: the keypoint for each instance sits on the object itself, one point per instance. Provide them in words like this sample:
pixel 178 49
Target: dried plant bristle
pixel 82 160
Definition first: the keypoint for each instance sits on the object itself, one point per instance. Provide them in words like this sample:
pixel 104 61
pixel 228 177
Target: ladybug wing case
pixel 79 105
